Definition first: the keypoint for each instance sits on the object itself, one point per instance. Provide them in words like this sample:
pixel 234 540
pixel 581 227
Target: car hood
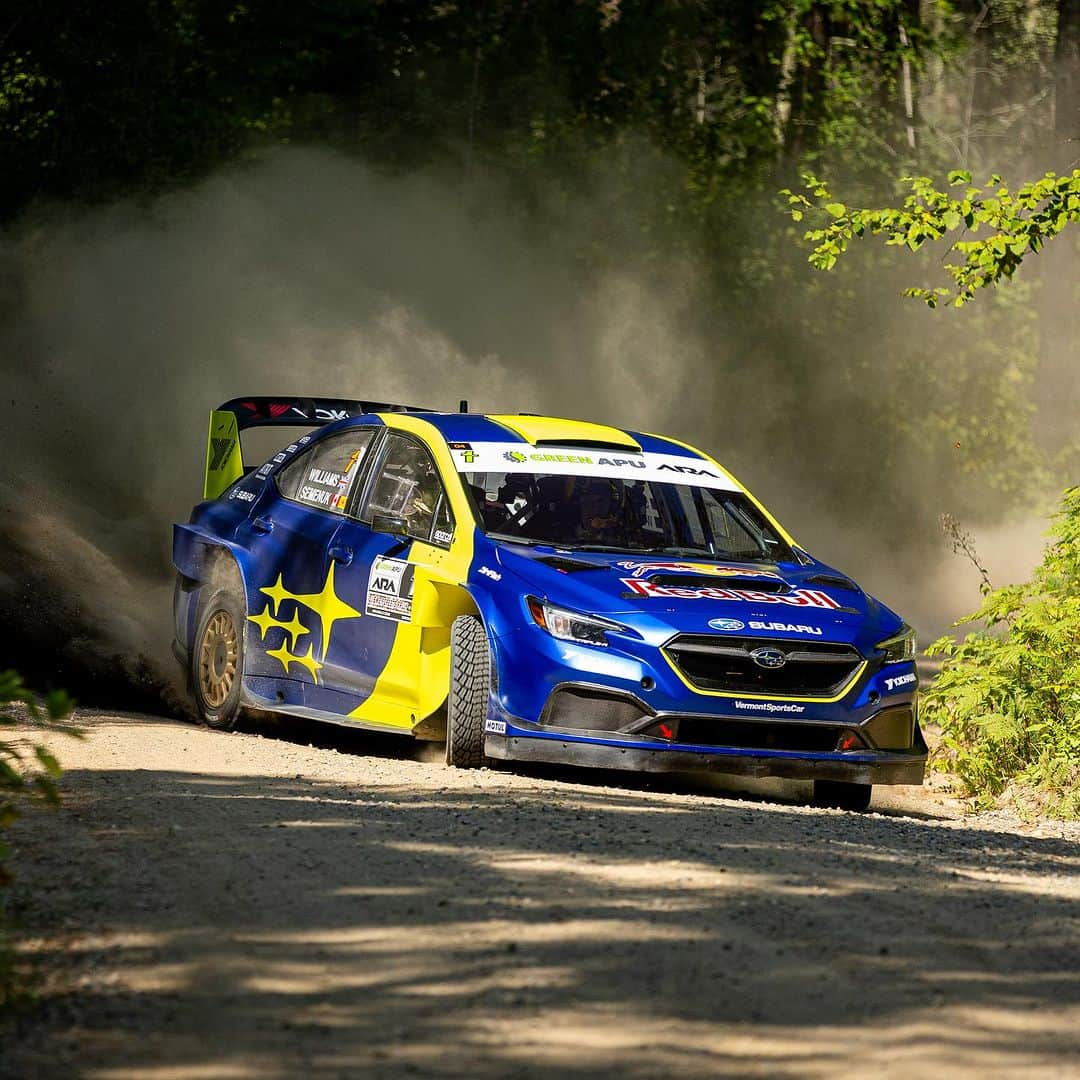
pixel 701 595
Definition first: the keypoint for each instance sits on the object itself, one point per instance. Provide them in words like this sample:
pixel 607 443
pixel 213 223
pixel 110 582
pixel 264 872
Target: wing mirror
pixel 390 523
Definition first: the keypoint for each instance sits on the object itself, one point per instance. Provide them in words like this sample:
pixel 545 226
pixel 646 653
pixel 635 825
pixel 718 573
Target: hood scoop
pixel 833 581
pixel 566 565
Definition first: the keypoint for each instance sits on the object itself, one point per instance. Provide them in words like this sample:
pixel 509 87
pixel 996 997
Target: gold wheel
pixel 218 652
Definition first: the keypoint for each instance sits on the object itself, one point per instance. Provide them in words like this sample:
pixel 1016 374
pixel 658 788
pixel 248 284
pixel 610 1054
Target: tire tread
pixel 470 685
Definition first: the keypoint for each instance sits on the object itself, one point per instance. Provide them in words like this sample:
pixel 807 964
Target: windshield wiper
pixel 613 549
pixel 528 541
pixel 719 556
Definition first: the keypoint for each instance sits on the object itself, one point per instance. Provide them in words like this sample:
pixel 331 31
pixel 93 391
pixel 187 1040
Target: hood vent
pixel 834 581
pixel 567 565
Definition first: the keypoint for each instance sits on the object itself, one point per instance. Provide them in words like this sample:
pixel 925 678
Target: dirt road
pixel 247 905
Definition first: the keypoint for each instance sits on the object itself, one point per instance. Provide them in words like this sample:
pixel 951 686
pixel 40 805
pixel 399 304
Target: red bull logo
pixel 640 569
pixel 798 598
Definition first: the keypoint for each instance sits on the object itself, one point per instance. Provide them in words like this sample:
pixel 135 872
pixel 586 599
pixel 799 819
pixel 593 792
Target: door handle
pixel 341 554
pixel 262 525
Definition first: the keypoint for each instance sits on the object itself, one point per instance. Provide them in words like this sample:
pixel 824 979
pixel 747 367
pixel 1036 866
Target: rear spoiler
pixel 224 458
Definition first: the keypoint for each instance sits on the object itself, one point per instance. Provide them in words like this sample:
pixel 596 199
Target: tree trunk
pixel 1067 76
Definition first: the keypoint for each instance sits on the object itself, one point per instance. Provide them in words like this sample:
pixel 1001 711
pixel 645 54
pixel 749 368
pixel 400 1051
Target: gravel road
pixel 296 900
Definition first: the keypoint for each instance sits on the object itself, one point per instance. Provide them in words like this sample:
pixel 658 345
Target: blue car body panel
pixel 316 645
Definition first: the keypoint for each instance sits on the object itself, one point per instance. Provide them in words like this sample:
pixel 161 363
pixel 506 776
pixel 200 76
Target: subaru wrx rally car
pixel 532 589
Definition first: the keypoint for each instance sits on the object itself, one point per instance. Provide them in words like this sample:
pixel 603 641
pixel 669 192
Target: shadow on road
pixel 262 926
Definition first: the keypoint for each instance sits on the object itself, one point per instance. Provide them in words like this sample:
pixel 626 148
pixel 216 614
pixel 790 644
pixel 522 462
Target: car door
pixel 403 527
pixel 294 608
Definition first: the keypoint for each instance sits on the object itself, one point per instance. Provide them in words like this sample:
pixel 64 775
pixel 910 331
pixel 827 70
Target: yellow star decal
pixel 285 658
pixel 277 592
pixel 265 621
pixel 327 605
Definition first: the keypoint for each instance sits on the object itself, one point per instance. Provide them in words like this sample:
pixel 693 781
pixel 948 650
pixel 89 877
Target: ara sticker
pixel 390 589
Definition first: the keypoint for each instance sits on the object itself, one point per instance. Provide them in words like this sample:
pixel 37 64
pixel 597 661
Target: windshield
pixel 601 513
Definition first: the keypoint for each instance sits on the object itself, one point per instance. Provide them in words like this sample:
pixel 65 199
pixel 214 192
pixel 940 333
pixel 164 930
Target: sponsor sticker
pixel 488 572
pixel 786 627
pixel 899 681
pixel 640 569
pixel 726 624
pixel 518 457
pixel 769 707
pixel 799 598
pixel 390 589
pixel 243 496
pixel 266 470
pixel 495 727
pixel 441 536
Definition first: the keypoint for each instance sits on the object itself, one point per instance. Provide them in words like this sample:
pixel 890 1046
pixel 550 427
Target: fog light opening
pixel 666 731
pixel 849 741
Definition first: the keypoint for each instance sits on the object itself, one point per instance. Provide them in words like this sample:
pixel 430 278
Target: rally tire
pixel 470 688
pixel 217 659
pixel 842 795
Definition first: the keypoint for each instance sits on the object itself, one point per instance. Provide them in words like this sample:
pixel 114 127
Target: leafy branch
pixel 28 771
pixel 991 229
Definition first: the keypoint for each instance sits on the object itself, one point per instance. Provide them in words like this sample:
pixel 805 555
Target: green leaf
pixel 837 210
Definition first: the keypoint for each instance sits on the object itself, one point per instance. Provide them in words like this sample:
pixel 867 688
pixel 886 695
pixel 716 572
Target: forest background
pixel 632 153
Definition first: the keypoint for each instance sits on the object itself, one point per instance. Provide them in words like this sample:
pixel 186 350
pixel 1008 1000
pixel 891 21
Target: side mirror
pixel 390 523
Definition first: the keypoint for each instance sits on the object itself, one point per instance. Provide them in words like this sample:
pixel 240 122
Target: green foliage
pixel 1007 699
pixel 28 773
pixel 1013 224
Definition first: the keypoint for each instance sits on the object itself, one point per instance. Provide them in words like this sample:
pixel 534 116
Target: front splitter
pixel 883 769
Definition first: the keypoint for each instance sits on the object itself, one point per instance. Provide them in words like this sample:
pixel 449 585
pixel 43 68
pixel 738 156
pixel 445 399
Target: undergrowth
pixel 28 773
pixel 1007 699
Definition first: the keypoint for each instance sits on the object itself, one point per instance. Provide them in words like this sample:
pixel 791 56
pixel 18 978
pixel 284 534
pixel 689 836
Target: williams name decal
pixel 798 598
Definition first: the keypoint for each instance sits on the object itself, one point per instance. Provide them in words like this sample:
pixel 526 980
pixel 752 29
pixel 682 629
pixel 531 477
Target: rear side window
pixel 324 476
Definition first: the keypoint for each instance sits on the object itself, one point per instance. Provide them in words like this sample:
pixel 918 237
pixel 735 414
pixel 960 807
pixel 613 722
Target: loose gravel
pixel 301 900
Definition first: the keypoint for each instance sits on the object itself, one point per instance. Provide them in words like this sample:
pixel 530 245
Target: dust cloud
pixel 311 274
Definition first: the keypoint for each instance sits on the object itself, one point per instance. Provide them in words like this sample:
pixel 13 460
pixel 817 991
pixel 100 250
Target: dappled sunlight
pixel 340 919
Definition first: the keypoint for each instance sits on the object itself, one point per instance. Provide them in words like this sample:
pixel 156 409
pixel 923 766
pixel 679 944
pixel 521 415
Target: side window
pixel 408 490
pixel 324 475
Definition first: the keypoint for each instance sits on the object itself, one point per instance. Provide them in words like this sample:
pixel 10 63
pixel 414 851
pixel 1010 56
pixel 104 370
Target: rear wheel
pixel 218 659
pixel 842 795
pixel 470 687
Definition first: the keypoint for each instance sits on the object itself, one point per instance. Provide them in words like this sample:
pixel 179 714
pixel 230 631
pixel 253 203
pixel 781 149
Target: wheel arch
pixel 203 562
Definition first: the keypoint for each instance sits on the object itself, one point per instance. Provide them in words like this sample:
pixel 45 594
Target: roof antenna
pixel 463 405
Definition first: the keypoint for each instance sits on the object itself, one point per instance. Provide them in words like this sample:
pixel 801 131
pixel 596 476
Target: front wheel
pixel 470 687
pixel 842 795
pixel 218 660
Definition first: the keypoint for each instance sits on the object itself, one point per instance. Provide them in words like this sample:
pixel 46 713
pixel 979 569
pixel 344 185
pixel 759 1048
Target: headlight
pixel 569 625
pixel 899 647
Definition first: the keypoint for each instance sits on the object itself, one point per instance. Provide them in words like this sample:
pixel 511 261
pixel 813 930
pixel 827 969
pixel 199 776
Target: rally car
pixel 533 589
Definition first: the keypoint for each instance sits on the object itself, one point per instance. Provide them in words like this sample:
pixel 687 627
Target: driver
pixel 598 509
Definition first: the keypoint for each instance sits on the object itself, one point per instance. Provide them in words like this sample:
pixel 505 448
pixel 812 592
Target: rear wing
pixel 224 457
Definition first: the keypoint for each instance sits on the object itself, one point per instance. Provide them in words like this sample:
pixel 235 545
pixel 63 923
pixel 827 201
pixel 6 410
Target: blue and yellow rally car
pixel 533 589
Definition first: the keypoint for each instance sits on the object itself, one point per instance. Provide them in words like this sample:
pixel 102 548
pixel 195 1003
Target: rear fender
pixel 202 561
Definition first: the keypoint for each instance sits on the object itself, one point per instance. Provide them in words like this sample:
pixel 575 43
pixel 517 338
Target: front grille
pixel 810 669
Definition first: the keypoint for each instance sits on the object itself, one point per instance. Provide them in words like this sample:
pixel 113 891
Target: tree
pixel 1014 224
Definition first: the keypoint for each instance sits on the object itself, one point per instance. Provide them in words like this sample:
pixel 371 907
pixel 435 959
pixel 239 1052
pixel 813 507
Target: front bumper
pixel 879 767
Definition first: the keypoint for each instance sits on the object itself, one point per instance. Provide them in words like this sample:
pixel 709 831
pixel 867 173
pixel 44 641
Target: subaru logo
pixel 726 624
pixel 768 658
